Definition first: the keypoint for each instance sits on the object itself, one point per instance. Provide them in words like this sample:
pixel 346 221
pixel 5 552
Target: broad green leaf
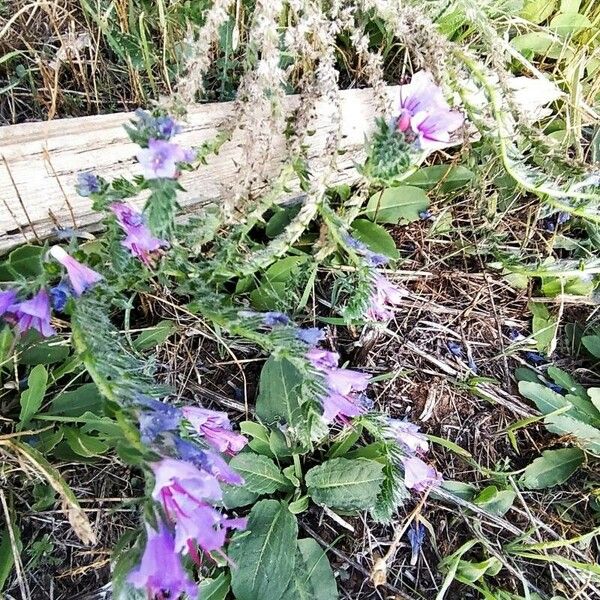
pixel 154 336
pixel 587 436
pixel 312 578
pixel 48 440
pixel 215 589
pixel 33 396
pixel 526 374
pixel 280 393
pixel 594 394
pixel 75 403
pixel 283 270
pixel 299 506
pixel 566 24
pixel 545 399
pixel 495 501
pixel 592 344
pixel 261 475
pixel 536 11
pixel 570 6
pixel 397 204
pixel 24 262
pixel 280 220
pixel 348 437
pixel 451 177
pixel 564 380
pixel 264 555
pixel 43 351
pixel 268 295
pixel 260 437
pixel 468 571
pixel 552 468
pixel 542 43
pixel 235 496
pixel 466 491
pixel 83 444
pixel 544 327
pixel 346 484
pixel 375 237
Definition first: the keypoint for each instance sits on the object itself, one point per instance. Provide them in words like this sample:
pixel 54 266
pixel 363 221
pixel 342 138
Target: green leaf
pixel 397 204
pixel 24 262
pixel 495 501
pixel 154 336
pixel 215 589
pixel 261 475
pixel 7 339
pixel 375 237
pixel 260 437
pixel 7 558
pixel 312 578
pixel 536 11
pixel 85 398
pixel 280 393
pixel 83 444
pixel 566 24
pixel 592 344
pixel 280 220
pixel 265 554
pixel 594 394
pixel 544 327
pixel 299 506
pixel 346 484
pixel 43 352
pixel 552 468
pixel 33 396
pixel 565 381
pixel 540 42
pixel 451 177
pixel 235 496
pixel 587 436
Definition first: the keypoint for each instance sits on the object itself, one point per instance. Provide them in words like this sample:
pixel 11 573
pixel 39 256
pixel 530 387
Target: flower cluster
pixel 139 239
pixel 424 114
pixel 418 475
pixel 36 312
pixel 187 487
pixel 343 396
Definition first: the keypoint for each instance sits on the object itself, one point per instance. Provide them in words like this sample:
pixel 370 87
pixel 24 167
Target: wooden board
pixel 39 162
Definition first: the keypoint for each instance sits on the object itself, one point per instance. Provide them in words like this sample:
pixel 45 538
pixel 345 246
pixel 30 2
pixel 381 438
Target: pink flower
pixel 80 276
pixel 384 294
pixel 408 435
pixel 139 241
pixel 160 573
pixel 424 110
pixel 418 475
pixel 342 398
pixel 186 494
pixel 216 428
pixel 33 314
pixel 161 159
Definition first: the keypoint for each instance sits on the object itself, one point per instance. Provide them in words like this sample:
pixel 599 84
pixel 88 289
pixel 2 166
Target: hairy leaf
pixel 261 475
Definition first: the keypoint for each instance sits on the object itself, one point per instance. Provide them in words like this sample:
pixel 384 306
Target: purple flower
pixel 425 215
pixel 60 295
pixel 407 435
pixel 416 536
pixel 424 110
pixel 186 494
pixel 455 348
pixel 273 319
pixel 418 475
pixel 161 159
pixel 166 127
pixel 156 418
pixel 216 428
pixel 535 358
pixel 160 573
pixel 310 335
pixel 139 240
pixel 7 299
pixel 80 276
pixel 208 461
pixel 33 314
pixel 384 294
pixel 341 398
pixel 87 184
pixel 373 259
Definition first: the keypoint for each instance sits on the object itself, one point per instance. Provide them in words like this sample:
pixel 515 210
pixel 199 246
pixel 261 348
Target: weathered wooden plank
pixel 41 161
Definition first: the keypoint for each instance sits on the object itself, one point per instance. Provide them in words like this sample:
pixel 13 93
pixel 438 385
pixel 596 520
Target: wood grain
pixel 40 161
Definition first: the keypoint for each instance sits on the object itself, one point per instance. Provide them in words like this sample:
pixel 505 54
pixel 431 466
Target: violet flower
pixel 156 418
pixel 341 398
pixel 211 462
pixel 7 299
pixel 186 494
pixel 310 335
pixel 274 319
pixel 424 111
pixel 33 314
pixel 216 428
pixel 383 296
pixel 80 276
pixel 87 184
pixel 160 573
pixel 160 160
pixel 139 240
pixel 60 295
pixel 418 475
pixel 416 536
pixel 407 435
pixel 373 259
